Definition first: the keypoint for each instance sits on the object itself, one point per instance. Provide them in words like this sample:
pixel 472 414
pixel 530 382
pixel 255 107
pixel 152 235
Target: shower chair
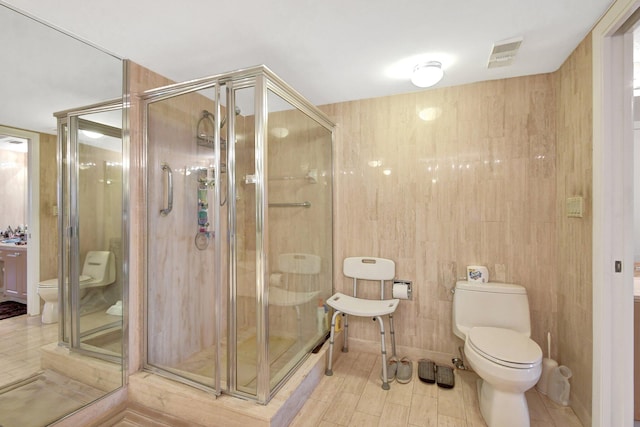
pixel 365 269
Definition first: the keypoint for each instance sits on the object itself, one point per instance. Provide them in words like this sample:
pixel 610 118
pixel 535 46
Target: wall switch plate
pixel 575 207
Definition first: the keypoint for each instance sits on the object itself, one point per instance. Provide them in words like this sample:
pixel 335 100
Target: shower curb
pixel 193 405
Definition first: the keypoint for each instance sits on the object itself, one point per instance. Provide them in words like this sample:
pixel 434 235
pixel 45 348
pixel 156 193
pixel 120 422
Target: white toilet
pixel 493 320
pixel 99 270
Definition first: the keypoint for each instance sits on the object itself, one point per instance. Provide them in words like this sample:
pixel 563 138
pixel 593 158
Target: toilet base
pixel 502 409
pixel 50 312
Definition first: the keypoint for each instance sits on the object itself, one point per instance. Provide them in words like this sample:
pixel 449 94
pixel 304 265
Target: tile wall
pixel 441 179
pixel 48 199
pixel 574 169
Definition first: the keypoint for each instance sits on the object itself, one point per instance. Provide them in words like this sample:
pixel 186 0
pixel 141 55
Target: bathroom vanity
pixel 14 261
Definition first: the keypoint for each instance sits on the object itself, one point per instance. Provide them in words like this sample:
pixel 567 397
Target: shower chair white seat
pixel 285 298
pixel 369 269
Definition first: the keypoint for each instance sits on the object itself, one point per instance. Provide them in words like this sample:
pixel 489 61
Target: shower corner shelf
pixel 208 142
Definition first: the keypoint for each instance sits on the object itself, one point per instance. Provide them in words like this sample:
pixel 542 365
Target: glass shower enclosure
pixel 239 231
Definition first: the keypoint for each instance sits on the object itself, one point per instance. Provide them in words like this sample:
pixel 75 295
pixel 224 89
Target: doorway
pixel 32 211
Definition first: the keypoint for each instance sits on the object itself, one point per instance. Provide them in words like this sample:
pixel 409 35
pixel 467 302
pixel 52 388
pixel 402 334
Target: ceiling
pixel 332 50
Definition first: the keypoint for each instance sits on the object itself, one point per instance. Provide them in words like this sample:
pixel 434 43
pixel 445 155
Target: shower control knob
pixel 202 240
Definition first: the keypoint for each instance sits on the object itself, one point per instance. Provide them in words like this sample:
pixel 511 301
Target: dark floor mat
pixel 11 309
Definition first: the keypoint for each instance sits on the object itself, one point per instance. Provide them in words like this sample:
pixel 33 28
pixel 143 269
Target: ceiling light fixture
pixel 427 74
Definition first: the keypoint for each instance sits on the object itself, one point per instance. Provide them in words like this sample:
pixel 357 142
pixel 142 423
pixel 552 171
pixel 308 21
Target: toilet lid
pixel 505 347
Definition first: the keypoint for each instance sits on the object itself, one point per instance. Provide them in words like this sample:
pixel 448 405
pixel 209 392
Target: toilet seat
pixel 53 283
pixel 505 347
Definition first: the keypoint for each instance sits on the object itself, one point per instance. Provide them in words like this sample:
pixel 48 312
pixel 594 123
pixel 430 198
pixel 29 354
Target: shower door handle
pixel 167 168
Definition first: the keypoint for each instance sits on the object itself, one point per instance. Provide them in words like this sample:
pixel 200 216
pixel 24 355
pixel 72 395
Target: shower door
pixel 183 239
pixel 280 226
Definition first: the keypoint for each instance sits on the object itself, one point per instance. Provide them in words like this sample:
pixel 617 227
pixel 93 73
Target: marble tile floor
pixel 43 399
pixel 22 338
pixel 50 395
pixel 353 397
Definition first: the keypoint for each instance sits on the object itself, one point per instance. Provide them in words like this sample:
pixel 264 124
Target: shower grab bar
pixel 290 205
pixel 167 168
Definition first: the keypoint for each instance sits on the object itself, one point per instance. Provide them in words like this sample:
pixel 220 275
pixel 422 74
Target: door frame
pixel 612 390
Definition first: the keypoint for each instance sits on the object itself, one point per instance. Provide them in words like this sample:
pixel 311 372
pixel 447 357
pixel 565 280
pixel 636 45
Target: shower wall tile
pixel 471 182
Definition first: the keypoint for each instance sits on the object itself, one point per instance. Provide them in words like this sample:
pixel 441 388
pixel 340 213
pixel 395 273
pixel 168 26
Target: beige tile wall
pixel 470 180
pixel 48 199
pixel 574 168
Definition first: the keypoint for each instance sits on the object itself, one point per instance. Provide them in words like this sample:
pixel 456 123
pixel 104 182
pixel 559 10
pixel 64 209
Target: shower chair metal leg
pixel 329 371
pixel 345 344
pixel 393 335
pixel 385 383
pixel 299 321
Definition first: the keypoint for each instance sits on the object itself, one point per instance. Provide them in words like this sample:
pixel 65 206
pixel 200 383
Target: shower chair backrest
pixel 299 272
pixel 369 268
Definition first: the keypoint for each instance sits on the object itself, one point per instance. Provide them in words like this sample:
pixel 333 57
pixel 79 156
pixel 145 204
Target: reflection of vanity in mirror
pixel 67 351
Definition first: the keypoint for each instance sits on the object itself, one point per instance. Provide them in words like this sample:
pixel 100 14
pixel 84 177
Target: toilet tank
pixel 101 267
pixel 500 305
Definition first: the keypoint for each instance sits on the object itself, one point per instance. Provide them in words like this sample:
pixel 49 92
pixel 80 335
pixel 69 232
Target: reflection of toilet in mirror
pixel 98 271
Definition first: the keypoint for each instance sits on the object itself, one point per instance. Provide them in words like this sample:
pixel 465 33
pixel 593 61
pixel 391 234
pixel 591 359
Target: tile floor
pixel 353 397
pixel 21 338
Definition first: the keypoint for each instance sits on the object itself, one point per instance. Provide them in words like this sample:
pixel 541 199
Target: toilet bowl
pixel 509 364
pixel 98 271
pixel 48 291
pixel 493 320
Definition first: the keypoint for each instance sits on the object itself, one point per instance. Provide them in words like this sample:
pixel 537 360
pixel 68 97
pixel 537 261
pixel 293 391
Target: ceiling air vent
pixel 504 52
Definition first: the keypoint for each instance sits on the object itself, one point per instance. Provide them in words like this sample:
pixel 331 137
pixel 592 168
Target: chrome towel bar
pixel 290 205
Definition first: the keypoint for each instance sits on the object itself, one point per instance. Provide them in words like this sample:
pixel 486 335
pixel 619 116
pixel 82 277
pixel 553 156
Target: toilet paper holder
pixel 401 289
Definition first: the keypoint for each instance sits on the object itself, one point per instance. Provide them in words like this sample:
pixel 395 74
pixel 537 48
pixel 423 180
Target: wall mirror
pixel 45 71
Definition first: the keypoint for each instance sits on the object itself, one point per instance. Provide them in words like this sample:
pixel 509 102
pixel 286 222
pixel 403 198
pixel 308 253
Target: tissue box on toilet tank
pixel 477 273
